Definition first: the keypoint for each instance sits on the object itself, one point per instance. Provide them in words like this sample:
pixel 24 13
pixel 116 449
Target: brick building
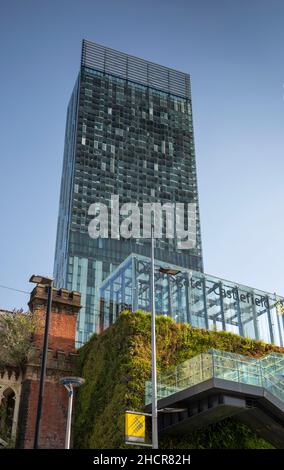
pixel 19 386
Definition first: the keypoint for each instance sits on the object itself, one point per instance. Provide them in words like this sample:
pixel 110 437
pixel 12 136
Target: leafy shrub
pixel 117 363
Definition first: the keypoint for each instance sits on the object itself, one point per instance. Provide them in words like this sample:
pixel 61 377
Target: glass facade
pixel 193 297
pixel 266 372
pixel 129 133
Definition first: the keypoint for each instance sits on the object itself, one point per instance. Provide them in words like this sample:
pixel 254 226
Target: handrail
pixel 228 366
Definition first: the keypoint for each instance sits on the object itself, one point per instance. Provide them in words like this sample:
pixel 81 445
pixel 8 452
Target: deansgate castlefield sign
pixel 233 293
pixel 199 299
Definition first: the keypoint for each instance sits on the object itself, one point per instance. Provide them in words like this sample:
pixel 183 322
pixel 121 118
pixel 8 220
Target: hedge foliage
pixel 116 365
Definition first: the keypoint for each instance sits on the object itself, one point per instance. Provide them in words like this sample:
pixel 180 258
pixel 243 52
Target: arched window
pixel 7 408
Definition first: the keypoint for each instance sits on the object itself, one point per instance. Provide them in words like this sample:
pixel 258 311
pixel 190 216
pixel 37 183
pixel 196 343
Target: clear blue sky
pixel 233 50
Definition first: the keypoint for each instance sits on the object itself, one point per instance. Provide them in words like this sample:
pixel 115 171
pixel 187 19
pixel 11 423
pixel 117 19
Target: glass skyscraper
pixel 129 133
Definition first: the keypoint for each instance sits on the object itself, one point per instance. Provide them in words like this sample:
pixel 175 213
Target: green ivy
pixel 117 363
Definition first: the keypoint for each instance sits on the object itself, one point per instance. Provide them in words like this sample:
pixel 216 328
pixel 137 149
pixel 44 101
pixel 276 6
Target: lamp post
pixel 153 344
pixel 49 283
pixel 70 383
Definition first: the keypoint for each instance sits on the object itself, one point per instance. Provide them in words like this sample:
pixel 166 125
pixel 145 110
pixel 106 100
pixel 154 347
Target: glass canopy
pixel 188 296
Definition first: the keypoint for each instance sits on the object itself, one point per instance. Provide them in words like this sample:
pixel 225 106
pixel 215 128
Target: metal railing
pixel 267 372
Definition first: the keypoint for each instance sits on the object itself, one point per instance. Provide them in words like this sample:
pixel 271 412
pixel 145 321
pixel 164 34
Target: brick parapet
pixel 61 361
pixel 64 310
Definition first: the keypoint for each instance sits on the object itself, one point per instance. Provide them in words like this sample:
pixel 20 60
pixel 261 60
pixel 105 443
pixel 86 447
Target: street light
pixel 170 271
pixel 70 383
pixel 41 279
pixel 47 281
pixel 153 347
pixel 173 272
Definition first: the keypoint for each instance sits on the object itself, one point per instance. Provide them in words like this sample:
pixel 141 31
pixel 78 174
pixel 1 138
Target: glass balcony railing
pixel 267 372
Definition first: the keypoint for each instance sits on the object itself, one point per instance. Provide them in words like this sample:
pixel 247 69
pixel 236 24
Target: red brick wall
pixel 54 416
pixel 61 342
pixel 62 331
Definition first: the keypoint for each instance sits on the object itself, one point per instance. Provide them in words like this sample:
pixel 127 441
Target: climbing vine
pixel 117 363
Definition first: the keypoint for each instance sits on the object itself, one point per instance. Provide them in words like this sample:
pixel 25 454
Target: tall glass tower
pixel 129 133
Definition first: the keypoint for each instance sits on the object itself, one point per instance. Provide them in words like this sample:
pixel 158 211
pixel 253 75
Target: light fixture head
pixel 170 271
pixel 72 381
pixel 36 279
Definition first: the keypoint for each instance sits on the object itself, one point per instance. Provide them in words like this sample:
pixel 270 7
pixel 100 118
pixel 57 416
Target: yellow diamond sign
pixel 134 427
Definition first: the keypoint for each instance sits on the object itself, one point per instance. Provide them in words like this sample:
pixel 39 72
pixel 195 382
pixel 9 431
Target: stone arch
pixel 10 392
pixel 7 413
